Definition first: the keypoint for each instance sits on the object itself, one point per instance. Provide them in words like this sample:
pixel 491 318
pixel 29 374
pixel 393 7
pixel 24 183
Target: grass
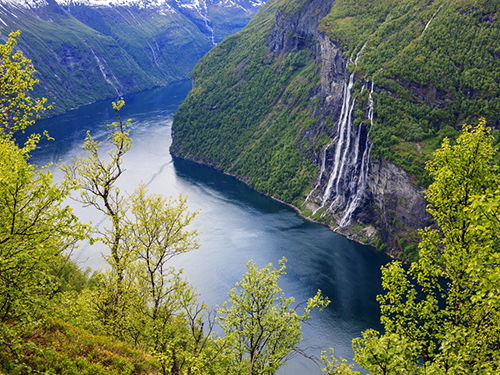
pixel 61 348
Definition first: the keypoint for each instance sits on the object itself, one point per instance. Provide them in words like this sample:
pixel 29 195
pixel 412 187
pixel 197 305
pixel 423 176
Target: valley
pixel 86 51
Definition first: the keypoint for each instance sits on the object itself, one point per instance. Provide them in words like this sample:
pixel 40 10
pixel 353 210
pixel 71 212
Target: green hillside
pixel 106 56
pixel 266 105
pixel 428 84
pixel 238 114
pixel 430 81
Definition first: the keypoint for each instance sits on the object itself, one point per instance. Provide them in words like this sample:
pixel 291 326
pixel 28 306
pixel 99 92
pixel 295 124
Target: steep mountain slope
pixel 335 106
pixel 91 49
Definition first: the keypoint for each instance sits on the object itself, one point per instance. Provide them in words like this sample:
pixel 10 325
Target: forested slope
pixel 84 51
pixel 275 105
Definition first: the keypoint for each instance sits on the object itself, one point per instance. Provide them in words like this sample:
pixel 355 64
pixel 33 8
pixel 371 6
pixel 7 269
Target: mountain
pixel 93 49
pixel 334 106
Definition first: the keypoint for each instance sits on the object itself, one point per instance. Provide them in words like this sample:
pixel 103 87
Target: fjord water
pixel 235 224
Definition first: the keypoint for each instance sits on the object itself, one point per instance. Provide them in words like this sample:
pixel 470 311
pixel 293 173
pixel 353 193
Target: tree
pixel 154 233
pixel 261 327
pixel 141 299
pixel 37 230
pixel 442 316
pixel 96 180
pixel 18 109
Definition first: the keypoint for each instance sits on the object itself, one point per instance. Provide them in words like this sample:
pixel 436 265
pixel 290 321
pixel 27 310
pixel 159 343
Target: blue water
pixel 235 224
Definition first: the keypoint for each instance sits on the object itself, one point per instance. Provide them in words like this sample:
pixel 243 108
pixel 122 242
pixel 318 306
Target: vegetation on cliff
pixel 86 54
pixel 267 104
pixel 434 63
pixel 248 110
pixel 255 110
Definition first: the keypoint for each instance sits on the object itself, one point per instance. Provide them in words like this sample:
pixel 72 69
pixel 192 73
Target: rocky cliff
pixel 330 106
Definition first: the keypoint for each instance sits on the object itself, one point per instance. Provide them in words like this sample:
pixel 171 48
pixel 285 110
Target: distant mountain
pixel 93 49
pixel 334 106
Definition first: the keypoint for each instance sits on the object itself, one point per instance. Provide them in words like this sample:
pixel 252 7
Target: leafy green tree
pixel 96 177
pixel 261 326
pixel 16 81
pixel 154 234
pixel 142 299
pixel 442 316
pixel 37 230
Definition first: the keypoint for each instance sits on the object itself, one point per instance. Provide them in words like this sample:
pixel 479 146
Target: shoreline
pixel 296 209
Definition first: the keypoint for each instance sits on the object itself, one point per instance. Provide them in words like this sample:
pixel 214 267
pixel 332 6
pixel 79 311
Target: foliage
pixel 96 178
pixel 16 81
pixel 37 230
pixel 62 348
pixel 232 119
pixel 262 329
pixel 141 299
pixel 442 315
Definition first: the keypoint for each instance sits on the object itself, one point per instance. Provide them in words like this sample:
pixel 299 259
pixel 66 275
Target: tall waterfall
pixel 349 152
pixel 358 188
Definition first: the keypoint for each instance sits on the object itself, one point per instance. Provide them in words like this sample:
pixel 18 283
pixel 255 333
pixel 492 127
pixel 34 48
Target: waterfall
pixel 347 182
pixel 428 23
pixel 204 15
pixel 103 70
pixel 322 169
pixel 155 58
pixel 360 186
pixel 343 132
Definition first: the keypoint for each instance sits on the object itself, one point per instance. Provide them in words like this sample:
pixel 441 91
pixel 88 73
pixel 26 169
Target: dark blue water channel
pixel 236 224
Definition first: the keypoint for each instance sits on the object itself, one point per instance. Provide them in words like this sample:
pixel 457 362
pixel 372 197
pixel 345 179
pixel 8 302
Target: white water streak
pixel 428 23
pixel 343 123
pixel 322 170
pixel 363 173
pixel 103 71
pixel 204 15
pixel 155 58
pixel 348 179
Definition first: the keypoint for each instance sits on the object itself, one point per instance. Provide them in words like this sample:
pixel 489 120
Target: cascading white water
pixel 429 22
pixel 342 133
pixel 155 57
pixel 322 169
pixel 360 187
pixel 347 182
pixel 206 20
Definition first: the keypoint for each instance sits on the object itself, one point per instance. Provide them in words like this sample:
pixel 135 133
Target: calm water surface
pixel 236 224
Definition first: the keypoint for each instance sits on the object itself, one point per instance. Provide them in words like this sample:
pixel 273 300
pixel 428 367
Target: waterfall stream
pixel 204 15
pixel 359 187
pixel 347 180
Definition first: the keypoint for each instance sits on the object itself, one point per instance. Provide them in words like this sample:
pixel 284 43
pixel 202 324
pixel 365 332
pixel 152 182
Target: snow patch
pixel 124 3
pixel 26 3
pixel 195 5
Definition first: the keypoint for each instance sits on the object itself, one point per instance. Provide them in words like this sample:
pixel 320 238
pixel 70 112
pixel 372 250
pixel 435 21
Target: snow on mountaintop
pixel 107 3
pixel 194 4
pixel 26 3
pixel 255 3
